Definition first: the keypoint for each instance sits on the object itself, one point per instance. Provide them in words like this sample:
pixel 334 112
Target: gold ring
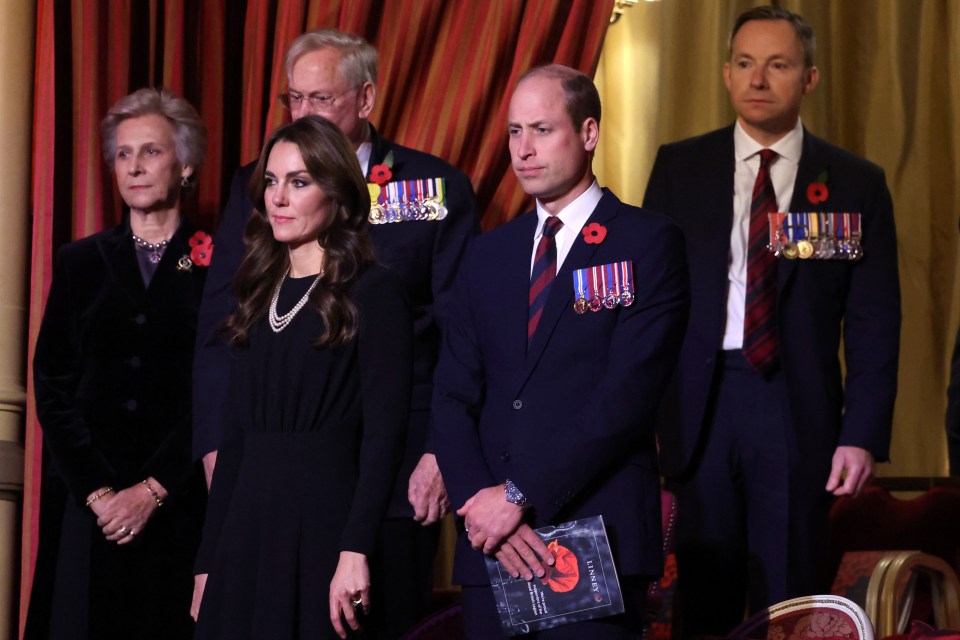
pixel 122 530
pixel 357 602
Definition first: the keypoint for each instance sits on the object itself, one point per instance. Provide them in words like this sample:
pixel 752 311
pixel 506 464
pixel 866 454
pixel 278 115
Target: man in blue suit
pixel 760 429
pixel 334 75
pixel 546 393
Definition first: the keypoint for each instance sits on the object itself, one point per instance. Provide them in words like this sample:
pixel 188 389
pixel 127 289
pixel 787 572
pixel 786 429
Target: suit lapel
pixel 515 284
pixel 120 257
pixel 560 297
pixel 717 186
pixel 380 149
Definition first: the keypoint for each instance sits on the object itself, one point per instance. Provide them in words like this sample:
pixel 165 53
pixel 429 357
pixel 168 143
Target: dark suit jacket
pixel 425 255
pixel 818 301
pixel 571 420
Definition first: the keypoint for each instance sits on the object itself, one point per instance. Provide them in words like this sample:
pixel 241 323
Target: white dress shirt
pixel 783 173
pixel 364 151
pixel 573 216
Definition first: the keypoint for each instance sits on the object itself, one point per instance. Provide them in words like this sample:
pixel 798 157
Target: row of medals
pixel 825 247
pixel 609 301
pixel 425 209
pixel 590 283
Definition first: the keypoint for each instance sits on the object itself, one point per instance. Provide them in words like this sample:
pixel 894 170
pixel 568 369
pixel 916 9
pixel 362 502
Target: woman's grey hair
pixel 358 63
pixel 189 132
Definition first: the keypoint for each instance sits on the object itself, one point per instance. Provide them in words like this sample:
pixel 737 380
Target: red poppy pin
pixel 594 233
pixel 201 252
pixel 817 192
pixel 382 173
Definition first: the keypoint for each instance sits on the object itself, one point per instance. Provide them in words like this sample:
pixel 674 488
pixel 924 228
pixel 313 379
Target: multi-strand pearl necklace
pixel 279 323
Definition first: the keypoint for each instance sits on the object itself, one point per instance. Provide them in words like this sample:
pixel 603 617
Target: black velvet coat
pixel 112 378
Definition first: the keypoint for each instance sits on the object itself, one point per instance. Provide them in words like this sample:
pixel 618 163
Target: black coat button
pixel 135 362
pixel 518 404
pixel 505 456
pixel 131 405
pixel 140 318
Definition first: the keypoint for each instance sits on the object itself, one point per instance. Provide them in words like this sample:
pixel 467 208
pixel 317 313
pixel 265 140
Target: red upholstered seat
pixel 808 618
pixel 866 529
pixel 878 521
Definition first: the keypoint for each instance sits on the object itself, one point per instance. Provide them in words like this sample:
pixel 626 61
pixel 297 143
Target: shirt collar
pixel 364 151
pixel 574 215
pixel 789 147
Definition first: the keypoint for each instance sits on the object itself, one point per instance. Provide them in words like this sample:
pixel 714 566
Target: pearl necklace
pixel 279 323
pixel 156 250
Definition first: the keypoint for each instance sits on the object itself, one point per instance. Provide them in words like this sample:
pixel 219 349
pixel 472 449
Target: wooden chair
pixel 893 587
pixel 807 618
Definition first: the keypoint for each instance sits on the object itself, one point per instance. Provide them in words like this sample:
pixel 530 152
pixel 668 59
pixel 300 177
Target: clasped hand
pixel 496 527
pixel 124 514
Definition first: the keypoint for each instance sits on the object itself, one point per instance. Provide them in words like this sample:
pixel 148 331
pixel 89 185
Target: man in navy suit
pixel 545 398
pixel 334 75
pixel 756 448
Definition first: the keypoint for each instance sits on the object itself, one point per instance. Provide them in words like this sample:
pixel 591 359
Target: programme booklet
pixel 582 584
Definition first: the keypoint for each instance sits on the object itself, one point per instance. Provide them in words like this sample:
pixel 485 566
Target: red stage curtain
pixel 446 73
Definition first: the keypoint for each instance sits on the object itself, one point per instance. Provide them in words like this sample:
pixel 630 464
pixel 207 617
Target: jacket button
pixel 518 404
pixel 140 318
pixel 131 405
pixel 505 456
pixel 135 362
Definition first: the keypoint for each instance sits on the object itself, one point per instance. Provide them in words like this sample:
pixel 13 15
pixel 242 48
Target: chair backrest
pixel 890 593
pixel 820 616
pixel 878 521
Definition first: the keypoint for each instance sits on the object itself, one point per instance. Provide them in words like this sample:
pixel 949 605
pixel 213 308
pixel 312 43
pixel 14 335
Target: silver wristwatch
pixel 513 495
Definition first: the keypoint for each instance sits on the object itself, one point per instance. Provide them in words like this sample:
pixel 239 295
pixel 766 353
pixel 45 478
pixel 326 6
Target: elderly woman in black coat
pixel 123 505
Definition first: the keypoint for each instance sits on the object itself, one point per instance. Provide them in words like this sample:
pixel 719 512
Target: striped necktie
pixel 760 346
pixel 544 271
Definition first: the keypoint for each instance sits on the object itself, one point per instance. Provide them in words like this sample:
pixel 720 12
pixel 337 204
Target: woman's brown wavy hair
pixel 348 250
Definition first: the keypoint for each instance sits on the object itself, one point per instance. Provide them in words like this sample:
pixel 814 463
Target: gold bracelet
pixel 153 493
pixel 99 495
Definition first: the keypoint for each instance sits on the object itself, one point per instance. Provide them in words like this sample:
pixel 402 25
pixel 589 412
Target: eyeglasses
pixel 293 100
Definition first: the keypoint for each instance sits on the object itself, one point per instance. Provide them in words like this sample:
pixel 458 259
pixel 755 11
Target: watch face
pixel 514 495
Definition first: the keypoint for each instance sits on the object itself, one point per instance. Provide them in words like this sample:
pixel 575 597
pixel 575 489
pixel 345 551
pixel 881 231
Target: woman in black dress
pixel 319 392
pixel 122 504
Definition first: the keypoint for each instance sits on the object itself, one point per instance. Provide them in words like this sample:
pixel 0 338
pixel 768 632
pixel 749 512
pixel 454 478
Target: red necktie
pixel 760 345
pixel 544 271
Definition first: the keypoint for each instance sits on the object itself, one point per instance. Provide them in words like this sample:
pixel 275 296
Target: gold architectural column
pixel 17 18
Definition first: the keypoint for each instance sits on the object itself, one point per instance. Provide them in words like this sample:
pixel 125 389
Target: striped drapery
pixel 446 74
